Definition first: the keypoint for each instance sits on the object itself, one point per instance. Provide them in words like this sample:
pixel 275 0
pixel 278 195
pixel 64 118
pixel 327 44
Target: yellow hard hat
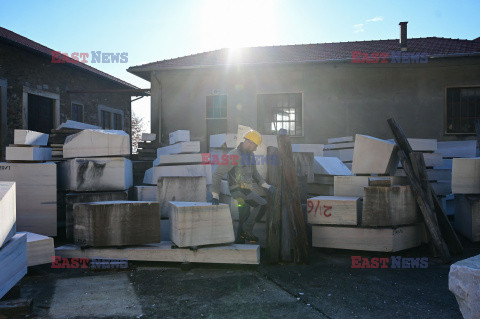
pixel 254 136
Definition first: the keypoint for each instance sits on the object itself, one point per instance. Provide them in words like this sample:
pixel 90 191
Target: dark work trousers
pixel 255 201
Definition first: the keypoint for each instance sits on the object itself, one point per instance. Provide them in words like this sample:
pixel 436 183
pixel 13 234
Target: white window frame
pixel 112 117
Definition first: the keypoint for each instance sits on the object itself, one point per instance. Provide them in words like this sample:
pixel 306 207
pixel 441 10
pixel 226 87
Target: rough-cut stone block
pixel 389 206
pixel 374 156
pixel 304 165
pixel 464 283
pixel 354 185
pixel 116 223
pixel 76 198
pixel 36 185
pixel 329 166
pixel 40 249
pixel 369 239
pixel 69 124
pixel 467 216
pixel 179 148
pixel 197 224
pixel 145 193
pixel 28 153
pixel 26 137
pixel 8 211
pixel 316 149
pixel 187 189
pixel 345 155
pixel 96 174
pixel 97 143
pixel 334 210
pixel 13 262
pixel 457 148
pixel 149 137
pixel 225 140
pixel 339 146
pixel 179 136
pixel 340 139
pixel 181 159
pixel 466 176
pixel 153 174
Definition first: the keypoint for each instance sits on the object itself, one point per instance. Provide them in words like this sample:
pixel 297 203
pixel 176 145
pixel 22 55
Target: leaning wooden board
pixel 163 252
pixel 13 262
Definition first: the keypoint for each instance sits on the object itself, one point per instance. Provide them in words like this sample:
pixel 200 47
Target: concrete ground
pixel 325 288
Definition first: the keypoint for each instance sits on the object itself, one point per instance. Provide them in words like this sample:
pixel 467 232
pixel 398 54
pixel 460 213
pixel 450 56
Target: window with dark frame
pixel 463 108
pixel 277 111
pixel 216 114
pixel 106 120
pixel 77 112
pixel 117 121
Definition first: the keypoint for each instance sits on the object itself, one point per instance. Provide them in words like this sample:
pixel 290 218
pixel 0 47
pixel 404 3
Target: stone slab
pixel 40 249
pixel 97 143
pixel 153 174
pixel 69 124
pixel 354 185
pixel 367 239
pixel 339 146
pixel 340 139
pixel 329 166
pixel 116 223
pixel 28 153
pixel 334 210
pixel 13 262
pixel 466 175
pixel 179 136
pixel 224 140
pixel 198 224
pixel 149 137
pixel 345 155
pixel 179 148
pixel 27 137
pixel 464 283
pixel 467 216
pixel 8 211
pixel 188 189
pixel 165 252
pixel 96 174
pixel 145 193
pixel 389 206
pixel 452 149
pixel 316 149
pixel 374 156
pixel 36 182
pixel 178 159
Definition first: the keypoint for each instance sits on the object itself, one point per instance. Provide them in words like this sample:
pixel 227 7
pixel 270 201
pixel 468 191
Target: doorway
pixel 40 113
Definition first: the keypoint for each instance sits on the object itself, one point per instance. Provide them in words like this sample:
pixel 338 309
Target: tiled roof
pixel 16 38
pixel 320 52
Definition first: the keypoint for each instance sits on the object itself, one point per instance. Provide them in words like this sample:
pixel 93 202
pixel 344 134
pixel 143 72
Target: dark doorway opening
pixel 40 113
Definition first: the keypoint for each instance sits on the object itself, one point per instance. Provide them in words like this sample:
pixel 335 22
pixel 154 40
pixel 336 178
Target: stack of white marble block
pixel 371 211
pixel 95 170
pixel 342 148
pixel 36 182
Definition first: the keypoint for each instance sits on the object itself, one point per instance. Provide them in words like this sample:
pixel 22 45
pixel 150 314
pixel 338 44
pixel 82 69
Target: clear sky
pixel 156 30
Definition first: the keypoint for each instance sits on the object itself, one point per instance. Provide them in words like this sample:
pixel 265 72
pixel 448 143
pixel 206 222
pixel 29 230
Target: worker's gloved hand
pixel 272 190
pixel 215 201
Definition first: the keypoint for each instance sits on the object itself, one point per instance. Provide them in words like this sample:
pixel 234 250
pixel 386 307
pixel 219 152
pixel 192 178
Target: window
pixel 110 118
pixel 106 119
pixel 216 114
pixel 77 112
pixel 463 107
pixel 117 121
pixel 277 111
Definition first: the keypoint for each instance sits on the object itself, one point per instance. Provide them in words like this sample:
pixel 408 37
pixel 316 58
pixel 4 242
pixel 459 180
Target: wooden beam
pixel 274 208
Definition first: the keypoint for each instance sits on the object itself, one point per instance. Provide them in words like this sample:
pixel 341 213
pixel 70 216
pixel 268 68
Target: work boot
pixel 249 237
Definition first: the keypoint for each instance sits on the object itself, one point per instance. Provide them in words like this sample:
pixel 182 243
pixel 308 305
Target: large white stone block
pixel 13 262
pixel 464 283
pixel 354 185
pixel 316 149
pixel 69 124
pixel 179 148
pixel 225 140
pixel 96 174
pixel 340 139
pixel 338 146
pixel 97 143
pixel 153 174
pixel 466 175
pixel 36 195
pixel 40 249
pixel 334 210
pixel 329 166
pixel 149 137
pixel 28 153
pixel 181 159
pixel 374 156
pixel 26 137
pixel 345 154
pixel 8 211
pixel 179 136
pixel 187 189
pixel 198 224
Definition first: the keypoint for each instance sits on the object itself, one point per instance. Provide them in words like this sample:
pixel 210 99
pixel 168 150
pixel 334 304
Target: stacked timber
pixel 369 211
pixel 95 170
pixel 147 148
pixel 342 148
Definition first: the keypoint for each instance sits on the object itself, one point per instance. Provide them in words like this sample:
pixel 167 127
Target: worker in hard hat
pixel 242 175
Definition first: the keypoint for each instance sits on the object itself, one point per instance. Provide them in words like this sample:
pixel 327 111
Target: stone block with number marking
pixel 334 210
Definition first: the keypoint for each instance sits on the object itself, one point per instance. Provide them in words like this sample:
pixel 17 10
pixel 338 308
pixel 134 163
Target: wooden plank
pixel 367 239
pixel 163 252
pixel 8 211
pixel 40 249
pixel 274 209
pixel 187 189
pixel 334 210
pixel 13 262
